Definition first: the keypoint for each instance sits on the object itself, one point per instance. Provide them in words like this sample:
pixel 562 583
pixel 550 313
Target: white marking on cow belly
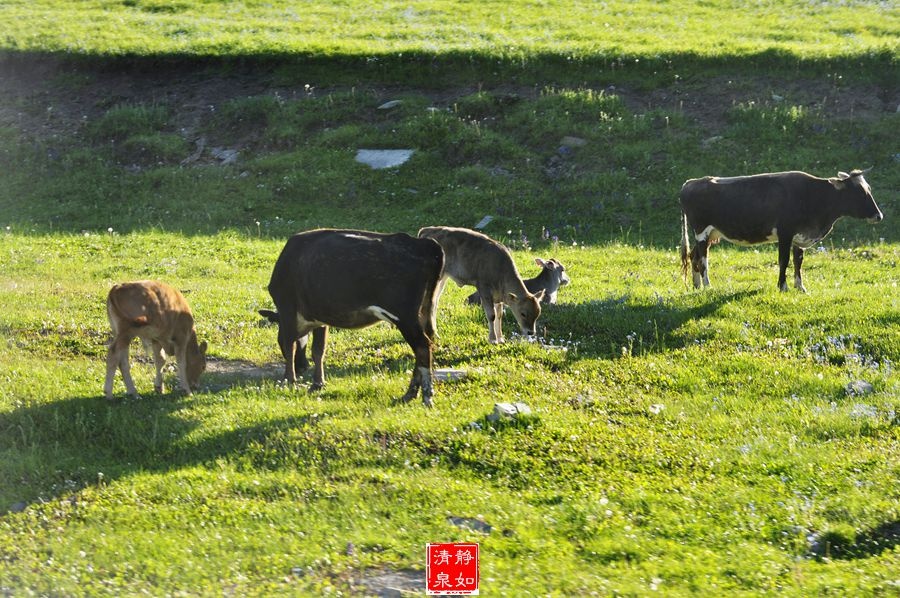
pixel 383 314
pixel 771 238
pixel 706 233
pixel 801 240
pixel 304 325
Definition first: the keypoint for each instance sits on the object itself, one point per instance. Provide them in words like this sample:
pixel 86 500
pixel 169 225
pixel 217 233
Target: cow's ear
pixel 539 295
pixel 512 297
pixel 836 183
pixel 540 262
pixel 843 175
pixel 203 348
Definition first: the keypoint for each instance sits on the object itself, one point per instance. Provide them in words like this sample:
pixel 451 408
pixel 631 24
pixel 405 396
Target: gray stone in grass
pixel 449 375
pixel 570 141
pixel 476 525
pixel 381 158
pixel 508 411
pixel 391 104
pixel 484 222
pixel 858 388
pixel 224 155
pixel 18 507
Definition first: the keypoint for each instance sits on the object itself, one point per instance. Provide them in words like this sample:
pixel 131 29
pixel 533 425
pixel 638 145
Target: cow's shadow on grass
pixel 870 542
pixel 621 325
pixel 54 449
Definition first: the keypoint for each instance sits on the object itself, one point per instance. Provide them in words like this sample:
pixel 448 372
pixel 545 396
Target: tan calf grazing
pixel 160 316
pixel 473 258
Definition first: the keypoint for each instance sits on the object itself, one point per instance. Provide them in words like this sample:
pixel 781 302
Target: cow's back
pixel 471 257
pixel 329 271
pixel 145 302
pixel 744 208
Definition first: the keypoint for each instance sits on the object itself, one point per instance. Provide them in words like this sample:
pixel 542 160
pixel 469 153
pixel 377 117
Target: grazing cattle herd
pixel 356 278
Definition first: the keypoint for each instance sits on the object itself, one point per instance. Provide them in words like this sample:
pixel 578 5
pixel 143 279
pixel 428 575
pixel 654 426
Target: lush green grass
pixel 514 38
pixel 487 152
pixel 756 454
pixel 683 442
pixel 503 29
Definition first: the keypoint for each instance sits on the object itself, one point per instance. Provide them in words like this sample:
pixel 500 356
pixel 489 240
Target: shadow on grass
pixel 607 328
pixel 55 449
pixel 872 542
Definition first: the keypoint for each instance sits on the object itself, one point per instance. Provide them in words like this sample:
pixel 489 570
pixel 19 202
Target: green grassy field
pixel 681 442
pixel 501 30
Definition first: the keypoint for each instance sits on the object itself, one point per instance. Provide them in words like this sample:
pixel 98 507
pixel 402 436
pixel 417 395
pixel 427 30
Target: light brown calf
pixel 473 258
pixel 160 316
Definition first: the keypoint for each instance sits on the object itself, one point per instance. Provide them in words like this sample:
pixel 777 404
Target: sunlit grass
pixel 673 432
pixel 506 31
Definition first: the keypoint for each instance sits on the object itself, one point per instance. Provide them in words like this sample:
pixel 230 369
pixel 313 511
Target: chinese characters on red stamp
pixel 451 569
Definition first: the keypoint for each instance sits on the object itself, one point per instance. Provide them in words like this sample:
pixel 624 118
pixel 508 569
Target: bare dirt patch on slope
pixel 48 98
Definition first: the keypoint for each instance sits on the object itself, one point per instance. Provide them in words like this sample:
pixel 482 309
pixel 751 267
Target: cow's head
pixel 196 362
pixel 526 310
pixel 856 196
pixel 558 271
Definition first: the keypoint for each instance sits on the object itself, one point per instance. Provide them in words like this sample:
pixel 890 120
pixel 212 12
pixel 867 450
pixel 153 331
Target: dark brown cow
pixel 353 279
pixel 793 208
pixel 552 276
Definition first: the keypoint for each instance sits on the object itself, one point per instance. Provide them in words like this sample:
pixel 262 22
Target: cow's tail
pixel 433 288
pixel 685 247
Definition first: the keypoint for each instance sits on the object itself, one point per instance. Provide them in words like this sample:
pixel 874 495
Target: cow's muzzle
pixel 876 218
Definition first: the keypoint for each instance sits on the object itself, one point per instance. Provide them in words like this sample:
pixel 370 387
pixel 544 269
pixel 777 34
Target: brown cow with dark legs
pixel 793 208
pixel 354 279
pixel 476 259
pixel 160 316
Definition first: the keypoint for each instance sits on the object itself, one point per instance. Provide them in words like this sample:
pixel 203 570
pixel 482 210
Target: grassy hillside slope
pixel 681 442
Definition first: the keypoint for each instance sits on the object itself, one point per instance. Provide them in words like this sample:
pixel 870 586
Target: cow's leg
pixel 498 322
pixel 159 360
pixel 319 339
pixel 700 263
pixel 117 347
pixel 181 360
pixel 421 377
pixel 784 258
pixel 287 342
pixel 798 262
pixel 490 312
pixel 118 358
pixel 301 363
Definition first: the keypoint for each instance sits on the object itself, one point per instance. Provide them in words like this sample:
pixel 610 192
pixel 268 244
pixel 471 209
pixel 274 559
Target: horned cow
pixel 794 209
pixel 161 317
pixel 475 259
pixel 353 279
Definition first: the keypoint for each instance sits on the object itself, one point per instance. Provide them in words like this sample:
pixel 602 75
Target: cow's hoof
pixel 316 387
pixel 159 389
pixel 427 401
